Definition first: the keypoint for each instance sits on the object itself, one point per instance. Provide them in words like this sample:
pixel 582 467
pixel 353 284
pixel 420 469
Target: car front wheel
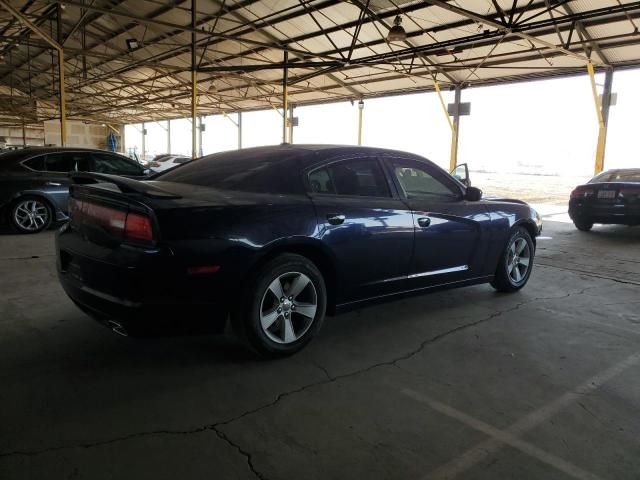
pixel 30 215
pixel 283 307
pixel 516 263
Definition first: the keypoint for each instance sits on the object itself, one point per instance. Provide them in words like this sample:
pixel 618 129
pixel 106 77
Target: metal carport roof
pixel 336 51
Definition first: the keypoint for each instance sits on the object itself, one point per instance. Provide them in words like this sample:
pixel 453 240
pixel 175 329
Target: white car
pixel 160 164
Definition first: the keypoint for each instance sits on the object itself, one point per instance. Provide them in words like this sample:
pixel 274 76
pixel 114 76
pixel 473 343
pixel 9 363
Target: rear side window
pixel 363 178
pixel 66 162
pixel 276 173
pixel 114 165
pixel 36 163
pixel 619 176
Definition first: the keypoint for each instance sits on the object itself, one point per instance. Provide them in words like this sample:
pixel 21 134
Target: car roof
pixel 15 156
pixel 308 154
pixel 623 170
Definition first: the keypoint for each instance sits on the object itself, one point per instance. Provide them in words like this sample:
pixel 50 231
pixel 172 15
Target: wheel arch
pixel 529 226
pixel 8 205
pixel 313 250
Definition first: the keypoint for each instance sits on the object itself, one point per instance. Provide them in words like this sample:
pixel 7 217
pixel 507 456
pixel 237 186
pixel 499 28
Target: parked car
pixel 34 182
pixel 612 197
pixel 274 237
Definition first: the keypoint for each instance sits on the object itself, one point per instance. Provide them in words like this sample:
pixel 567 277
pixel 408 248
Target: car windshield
pixel 618 176
pixel 264 173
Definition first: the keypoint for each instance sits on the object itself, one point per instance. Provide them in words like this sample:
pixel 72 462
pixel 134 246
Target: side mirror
pixel 473 194
pixel 461 173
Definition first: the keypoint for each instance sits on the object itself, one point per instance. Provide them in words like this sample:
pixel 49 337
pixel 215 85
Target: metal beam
pixel 194 83
pixel 63 101
pixel 507 30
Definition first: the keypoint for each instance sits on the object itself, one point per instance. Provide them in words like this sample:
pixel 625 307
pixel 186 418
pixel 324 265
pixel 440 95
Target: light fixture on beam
pixel 133 44
pixel 397 32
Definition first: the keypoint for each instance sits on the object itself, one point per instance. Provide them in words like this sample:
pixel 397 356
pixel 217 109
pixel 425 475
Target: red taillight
pixel 130 226
pixel 138 227
pixel 582 192
pixel 112 220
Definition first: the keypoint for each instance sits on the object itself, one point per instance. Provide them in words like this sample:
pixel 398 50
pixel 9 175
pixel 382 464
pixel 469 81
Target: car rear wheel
pixel 30 215
pixel 583 225
pixel 283 306
pixel 516 262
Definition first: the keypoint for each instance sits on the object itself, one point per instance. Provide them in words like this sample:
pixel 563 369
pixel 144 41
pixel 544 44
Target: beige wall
pixel 79 134
pixel 13 135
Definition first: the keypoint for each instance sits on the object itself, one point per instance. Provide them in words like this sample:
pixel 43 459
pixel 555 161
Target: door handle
pixel 53 184
pixel 424 222
pixel 335 218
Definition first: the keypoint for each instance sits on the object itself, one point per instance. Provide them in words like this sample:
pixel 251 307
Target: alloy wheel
pixel 31 215
pixel 288 307
pixel 518 260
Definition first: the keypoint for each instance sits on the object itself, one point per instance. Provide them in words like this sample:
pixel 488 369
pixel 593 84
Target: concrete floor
pixel 467 383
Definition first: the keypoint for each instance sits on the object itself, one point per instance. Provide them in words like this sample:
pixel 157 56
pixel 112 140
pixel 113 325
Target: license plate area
pixel 607 194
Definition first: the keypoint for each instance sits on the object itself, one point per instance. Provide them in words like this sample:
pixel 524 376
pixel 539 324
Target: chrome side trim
pixel 460 268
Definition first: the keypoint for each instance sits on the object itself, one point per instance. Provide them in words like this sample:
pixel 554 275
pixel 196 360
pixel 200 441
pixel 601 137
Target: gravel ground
pixel 535 189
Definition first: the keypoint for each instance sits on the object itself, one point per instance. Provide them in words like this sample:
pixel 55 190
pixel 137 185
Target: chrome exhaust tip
pixel 117 328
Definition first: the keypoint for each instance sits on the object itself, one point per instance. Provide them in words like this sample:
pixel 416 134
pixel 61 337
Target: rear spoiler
pixel 126 185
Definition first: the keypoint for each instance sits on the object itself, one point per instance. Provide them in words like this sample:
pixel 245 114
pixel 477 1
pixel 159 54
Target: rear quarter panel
pixel 236 236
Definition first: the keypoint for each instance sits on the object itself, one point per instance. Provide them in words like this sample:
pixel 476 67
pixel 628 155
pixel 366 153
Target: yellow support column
pixel 453 125
pixel 63 99
pixel 194 113
pixel 285 97
pixel 602 112
pixel 602 128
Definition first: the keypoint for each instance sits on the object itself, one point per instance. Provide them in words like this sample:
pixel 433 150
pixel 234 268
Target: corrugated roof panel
pixel 442 40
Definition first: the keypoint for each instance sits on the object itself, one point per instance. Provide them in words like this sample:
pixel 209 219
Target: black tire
pixel 504 280
pixel 583 225
pixel 43 214
pixel 258 298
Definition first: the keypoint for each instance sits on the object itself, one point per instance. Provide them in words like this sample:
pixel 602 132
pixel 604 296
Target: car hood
pixel 504 200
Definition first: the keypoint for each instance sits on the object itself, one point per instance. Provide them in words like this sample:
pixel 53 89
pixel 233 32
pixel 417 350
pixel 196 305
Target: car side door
pixel 364 224
pixel 55 174
pixel 451 233
pixel 116 165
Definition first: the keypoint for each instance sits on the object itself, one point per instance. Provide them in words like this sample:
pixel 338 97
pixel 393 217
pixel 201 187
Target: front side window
pixel 417 181
pixel 114 165
pixel 65 162
pixel 363 178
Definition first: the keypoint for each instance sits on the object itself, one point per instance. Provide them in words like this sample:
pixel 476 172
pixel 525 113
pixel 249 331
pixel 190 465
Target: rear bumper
pixel 613 213
pixel 139 289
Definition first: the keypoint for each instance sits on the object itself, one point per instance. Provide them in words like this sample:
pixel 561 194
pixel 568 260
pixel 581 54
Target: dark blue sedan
pixel 273 238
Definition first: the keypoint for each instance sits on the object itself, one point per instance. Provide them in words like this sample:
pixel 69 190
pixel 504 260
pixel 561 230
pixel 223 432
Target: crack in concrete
pixel 216 427
pixel 223 436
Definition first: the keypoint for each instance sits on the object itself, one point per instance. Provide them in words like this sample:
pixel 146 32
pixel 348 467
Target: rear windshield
pixel 274 172
pixel 619 176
